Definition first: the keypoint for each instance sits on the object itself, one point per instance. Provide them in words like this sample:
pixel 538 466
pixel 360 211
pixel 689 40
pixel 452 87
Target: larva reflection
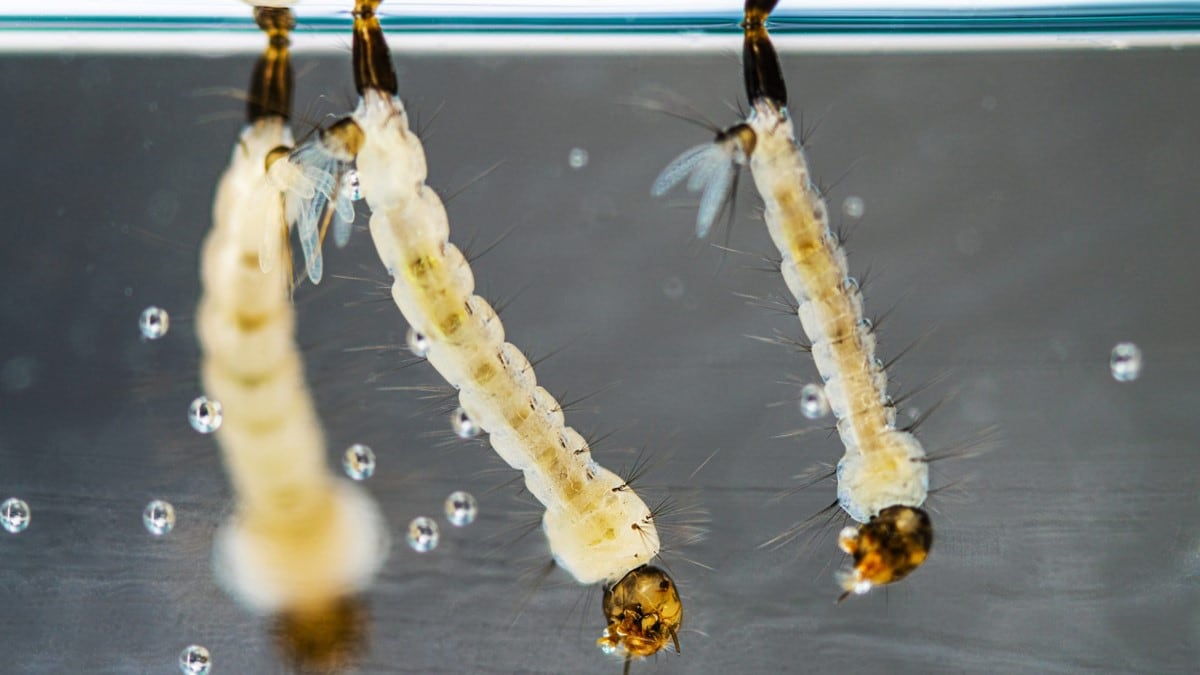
pixel 598 528
pixel 302 541
pixel 883 477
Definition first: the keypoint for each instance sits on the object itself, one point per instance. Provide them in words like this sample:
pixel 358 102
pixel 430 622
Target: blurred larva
pixel 883 477
pixel 598 528
pixel 301 540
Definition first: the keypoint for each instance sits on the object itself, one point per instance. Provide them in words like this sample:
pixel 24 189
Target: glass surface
pixel 1021 210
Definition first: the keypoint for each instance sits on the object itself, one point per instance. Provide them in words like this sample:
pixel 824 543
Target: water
pixel 423 534
pixel 359 462
pixel 813 403
pixel 1013 244
pixel 195 660
pixel 158 517
pixel 1125 362
pixel 14 515
pixel 154 322
pixel 463 425
pixel 461 508
pixel 205 415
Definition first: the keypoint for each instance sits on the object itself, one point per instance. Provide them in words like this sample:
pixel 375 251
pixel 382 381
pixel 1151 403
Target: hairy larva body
pixel 598 528
pixel 883 476
pixel 300 537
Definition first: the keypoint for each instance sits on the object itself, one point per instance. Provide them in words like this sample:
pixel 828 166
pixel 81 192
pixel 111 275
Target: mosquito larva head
pixel 741 139
pixel 324 638
pixel 886 549
pixel 644 613
pixel 343 140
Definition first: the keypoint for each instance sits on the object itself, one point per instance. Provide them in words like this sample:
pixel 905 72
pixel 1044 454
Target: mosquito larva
pixel 597 531
pixel 300 540
pixel 883 477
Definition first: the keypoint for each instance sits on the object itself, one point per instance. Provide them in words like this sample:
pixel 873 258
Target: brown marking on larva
pixel 275 154
pixel 742 134
pixel 643 611
pixel 890 546
pixel 343 139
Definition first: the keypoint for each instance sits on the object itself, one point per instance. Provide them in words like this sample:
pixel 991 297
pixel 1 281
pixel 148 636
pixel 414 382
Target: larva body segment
pixel 597 532
pixel 300 538
pixel 882 466
pixel 883 476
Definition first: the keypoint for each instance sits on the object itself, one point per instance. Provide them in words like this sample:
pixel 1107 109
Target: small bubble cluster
pixel 463 425
pixel 423 534
pixel 854 207
pixel 195 660
pixel 359 462
pixel 158 517
pixel 14 515
pixel 154 322
pixel 1125 362
pixel 813 403
pixel 418 344
pixel 461 508
pixel 350 186
pixel 205 415
pixel 577 158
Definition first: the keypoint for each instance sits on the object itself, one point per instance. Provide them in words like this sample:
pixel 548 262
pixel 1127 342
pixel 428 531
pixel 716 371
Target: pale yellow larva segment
pixel 299 536
pixel 598 529
pixel 881 467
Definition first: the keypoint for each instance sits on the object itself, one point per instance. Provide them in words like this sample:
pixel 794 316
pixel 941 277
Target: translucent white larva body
pixel 882 466
pixel 598 528
pixel 300 537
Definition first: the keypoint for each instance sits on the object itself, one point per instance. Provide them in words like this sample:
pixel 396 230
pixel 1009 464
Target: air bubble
pixel 853 207
pixel 578 158
pixel 1125 362
pixel 461 508
pixel 850 284
pixel 463 425
pixel 359 462
pixel 350 186
pixel 14 515
pixel 205 415
pixel 154 322
pixel 195 660
pixel 158 517
pixel 866 324
pixel 423 534
pixel 673 288
pixel 813 403
pixel 418 344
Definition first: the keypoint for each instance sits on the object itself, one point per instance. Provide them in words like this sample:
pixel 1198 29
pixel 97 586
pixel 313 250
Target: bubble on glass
pixel 359 461
pixel 350 186
pixel 578 158
pixel 158 517
pixel 673 288
pixel 418 344
pixel 14 515
pixel 423 534
pixel 205 415
pixel 154 322
pixel 813 403
pixel 463 425
pixel 195 660
pixel 1125 362
pixel 461 508
pixel 853 207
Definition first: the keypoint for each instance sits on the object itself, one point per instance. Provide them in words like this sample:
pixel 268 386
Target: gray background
pixel 1024 211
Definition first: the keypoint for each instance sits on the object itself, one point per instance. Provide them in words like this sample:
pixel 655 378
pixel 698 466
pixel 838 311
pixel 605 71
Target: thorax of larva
pixel 391 161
